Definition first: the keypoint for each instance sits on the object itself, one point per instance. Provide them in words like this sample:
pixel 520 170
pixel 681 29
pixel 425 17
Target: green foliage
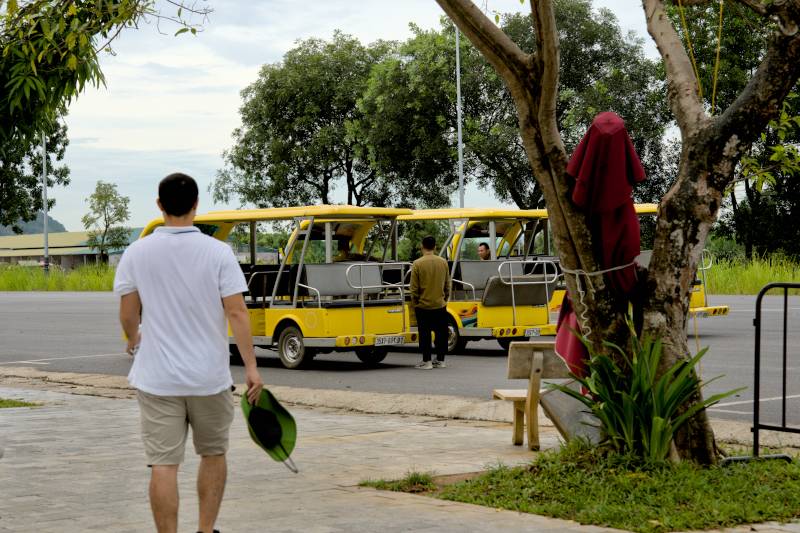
pixel 107 210
pixel 410 108
pixel 4 403
pixel 85 278
pixel 21 175
pixel 639 408
pixel 412 482
pixel 621 492
pixel 740 276
pixel 49 53
pixel 295 144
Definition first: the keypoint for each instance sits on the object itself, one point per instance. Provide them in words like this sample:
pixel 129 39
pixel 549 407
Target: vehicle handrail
pixel 362 287
pixel 706 254
pixel 319 297
pixel 512 281
pixel 382 285
pixel 467 284
pixel 264 292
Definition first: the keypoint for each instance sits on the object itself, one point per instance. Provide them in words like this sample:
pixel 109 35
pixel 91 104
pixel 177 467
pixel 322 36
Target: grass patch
pixel 85 278
pixel 748 277
pixel 412 482
pixel 14 403
pixel 614 491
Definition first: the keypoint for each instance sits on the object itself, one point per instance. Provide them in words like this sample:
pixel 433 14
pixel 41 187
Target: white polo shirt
pixel 181 276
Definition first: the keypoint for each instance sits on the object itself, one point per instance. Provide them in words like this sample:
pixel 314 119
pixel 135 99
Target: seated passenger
pixel 484 252
pixel 343 245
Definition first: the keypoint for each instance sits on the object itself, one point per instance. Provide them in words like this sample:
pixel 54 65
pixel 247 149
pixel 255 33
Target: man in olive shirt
pixel 430 290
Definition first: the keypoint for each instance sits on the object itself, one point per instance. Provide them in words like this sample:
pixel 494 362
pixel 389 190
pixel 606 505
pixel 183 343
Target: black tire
pixel 372 355
pixel 292 350
pixel 236 357
pixel 455 342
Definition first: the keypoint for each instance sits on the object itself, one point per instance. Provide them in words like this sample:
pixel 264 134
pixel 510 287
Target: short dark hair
pixel 177 194
pixel 429 243
pixel 486 244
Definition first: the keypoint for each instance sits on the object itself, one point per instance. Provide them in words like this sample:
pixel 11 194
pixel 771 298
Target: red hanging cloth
pixel 605 167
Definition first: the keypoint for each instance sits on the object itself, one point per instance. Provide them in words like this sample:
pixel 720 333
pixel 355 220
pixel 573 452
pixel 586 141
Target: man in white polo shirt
pixel 178 290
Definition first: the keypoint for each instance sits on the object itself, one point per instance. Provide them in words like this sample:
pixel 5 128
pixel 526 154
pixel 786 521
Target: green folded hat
pixel 272 427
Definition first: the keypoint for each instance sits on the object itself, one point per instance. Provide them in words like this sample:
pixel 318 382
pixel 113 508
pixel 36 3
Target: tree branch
pixel 759 102
pixel 682 83
pixel 548 63
pixel 502 53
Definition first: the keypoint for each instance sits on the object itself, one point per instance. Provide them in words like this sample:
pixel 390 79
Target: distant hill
pixel 35 226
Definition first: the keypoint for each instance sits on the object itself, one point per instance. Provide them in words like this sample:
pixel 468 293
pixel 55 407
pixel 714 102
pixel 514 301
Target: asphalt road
pixel 79 332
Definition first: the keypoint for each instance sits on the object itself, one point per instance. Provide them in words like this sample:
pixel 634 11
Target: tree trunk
pixel 711 149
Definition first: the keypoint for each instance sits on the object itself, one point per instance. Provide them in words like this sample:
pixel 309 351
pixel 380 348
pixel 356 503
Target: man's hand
pixel 133 344
pixel 239 319
pixel 130 309
pixel 254 384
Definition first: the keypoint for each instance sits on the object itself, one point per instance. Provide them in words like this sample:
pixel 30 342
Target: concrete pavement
pixel 75 463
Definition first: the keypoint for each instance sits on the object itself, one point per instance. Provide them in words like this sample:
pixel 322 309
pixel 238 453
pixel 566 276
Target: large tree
pixel 104 222
pixel 410 109
pixel 21 175
pixel 760 219
pixel 296 145
pixel 711 147
pixel 49 51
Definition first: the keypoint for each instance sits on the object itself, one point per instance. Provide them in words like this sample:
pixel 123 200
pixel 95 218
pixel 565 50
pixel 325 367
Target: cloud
pixel 171 103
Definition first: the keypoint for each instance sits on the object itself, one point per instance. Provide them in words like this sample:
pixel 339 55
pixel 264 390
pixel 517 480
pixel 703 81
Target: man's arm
pixel 239 318
pixel 130 311
pixel 414 288
pixel 448 283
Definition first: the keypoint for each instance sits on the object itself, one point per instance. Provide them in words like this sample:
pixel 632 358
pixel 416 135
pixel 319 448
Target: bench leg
pixel 532 415
pixel 519 422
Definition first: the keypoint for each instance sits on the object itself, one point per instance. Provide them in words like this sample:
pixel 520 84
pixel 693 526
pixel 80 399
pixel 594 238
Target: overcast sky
pixel 171 103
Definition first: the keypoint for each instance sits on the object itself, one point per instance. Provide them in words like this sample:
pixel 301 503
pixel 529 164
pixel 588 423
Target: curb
pixel 377 403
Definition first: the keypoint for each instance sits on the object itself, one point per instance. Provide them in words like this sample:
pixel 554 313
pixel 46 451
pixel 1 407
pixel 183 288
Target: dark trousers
pixel 432 320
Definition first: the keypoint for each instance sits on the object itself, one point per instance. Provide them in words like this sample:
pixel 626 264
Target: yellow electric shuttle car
pixel 698 302
pixel 313 297
pixel 504 296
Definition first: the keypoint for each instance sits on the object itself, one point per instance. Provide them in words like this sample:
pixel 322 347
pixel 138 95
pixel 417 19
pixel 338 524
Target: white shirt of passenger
pixel 181 276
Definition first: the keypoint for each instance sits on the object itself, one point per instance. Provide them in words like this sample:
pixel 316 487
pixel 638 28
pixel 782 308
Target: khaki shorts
pixel 166 421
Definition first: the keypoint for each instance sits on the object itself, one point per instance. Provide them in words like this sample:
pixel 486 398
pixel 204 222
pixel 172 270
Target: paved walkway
pixel 76 464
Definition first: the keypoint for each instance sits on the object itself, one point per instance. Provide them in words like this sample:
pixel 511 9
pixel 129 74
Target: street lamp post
pixel 44 205
pixel 458 119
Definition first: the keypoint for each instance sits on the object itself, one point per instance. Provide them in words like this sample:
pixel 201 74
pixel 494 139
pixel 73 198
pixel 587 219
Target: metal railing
pixel 757 322
pixel 703 268
pixel 361 287
pixel 513 283
pixel 468 285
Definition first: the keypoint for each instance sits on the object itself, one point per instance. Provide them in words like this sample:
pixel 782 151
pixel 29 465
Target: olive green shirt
pixel 430 282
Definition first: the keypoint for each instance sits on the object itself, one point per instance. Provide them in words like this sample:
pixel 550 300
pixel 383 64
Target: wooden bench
pixel 534 361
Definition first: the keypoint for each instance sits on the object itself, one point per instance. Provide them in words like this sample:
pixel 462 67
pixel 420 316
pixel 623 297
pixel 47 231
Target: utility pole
pixel 458 114
pixel 44 204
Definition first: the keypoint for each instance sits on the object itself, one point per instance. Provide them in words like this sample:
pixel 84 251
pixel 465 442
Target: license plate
pixel 533 332
pixel 390 340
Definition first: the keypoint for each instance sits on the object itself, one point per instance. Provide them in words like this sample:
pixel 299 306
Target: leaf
pixel 72 10
pixel 72 62
pixel 181 30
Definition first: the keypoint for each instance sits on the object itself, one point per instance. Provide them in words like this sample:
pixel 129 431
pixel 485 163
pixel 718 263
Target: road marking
pixel 743 402
pixel 730 411
pixel 43 361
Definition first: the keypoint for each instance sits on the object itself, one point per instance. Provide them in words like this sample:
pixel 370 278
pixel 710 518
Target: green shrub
pixel 85 278
pixel 739 276
pixel 640 411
